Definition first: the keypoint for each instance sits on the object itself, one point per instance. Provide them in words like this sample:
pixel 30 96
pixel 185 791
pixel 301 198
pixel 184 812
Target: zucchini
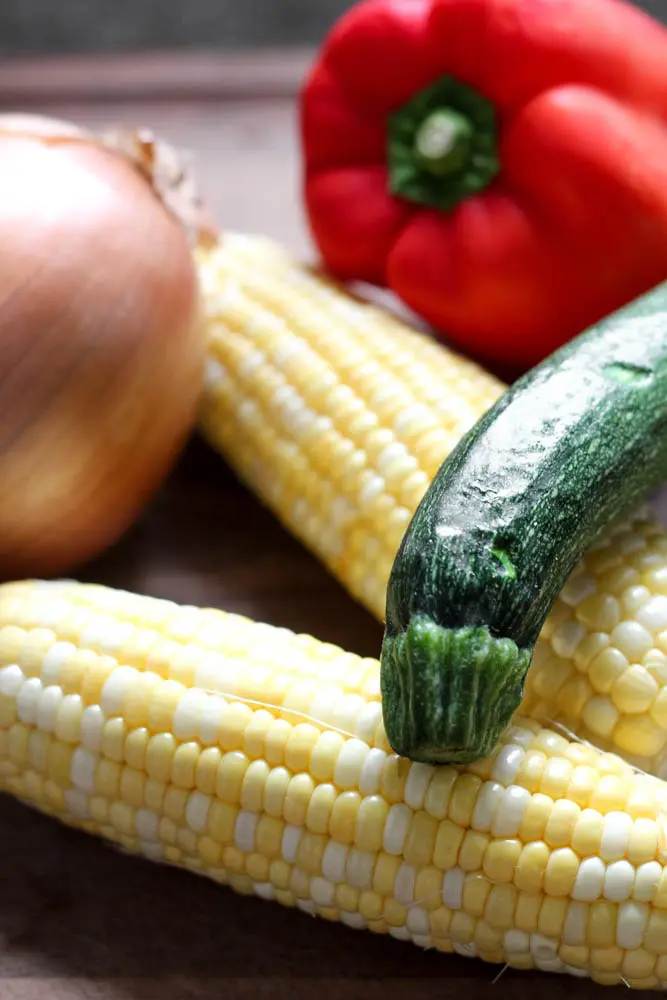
pixel 568 449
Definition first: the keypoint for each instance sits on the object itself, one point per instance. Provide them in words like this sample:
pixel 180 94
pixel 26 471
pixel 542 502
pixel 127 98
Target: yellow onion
pixel 101 343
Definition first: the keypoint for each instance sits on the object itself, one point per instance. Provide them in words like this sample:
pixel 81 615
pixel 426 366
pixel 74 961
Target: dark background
pixel 31 27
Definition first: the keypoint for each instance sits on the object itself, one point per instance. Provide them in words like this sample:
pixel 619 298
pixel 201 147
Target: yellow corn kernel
pixel 500 860
pixel 420 842
pixel 639 735
pixel 210 852
pixel 463 799
pixel 532 866
pixel 602 924
pixel 132 787
pixel 310 851
pixel 561 872
pixel 297 800
pixel 68 719
pixel 472 850
pixel 562 822
pixel 59 760
pixel 163 702
pixel 257 868
pixel 634 691
pixel 587 835
pixel 551 920
pixel 439 791
pixel 370 821
pixel 121 817
pixel 184 765
pixel 254 784
pixel 343 820
pixel 255 733
pixel 136 745
pixel 275 792
pixel 536 817
pixel 160 755
pixel 324 755
pixel 428 888
pixel 174 804
pixel 655 939
pixel 221 821
pixel 154 794
pixel 206 774
pixel 231 773
pixel 319 808
pixel 299 747
pixel 475 894
pixel 385 873
pixel 393 778
pixel 500 907
pixel 268 836
pixel 447 845
pixel 95 671
pixel 531 770
pixel 610 794
pixel 371 905
pixel 556 777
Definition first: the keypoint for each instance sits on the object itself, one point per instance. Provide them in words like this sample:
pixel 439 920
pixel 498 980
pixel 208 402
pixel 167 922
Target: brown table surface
pixel 78 919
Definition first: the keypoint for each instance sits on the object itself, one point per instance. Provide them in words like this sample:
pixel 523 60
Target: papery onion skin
pixel 101 349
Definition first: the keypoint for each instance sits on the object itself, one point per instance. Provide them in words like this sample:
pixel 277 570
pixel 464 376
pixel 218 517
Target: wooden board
pixel 77 919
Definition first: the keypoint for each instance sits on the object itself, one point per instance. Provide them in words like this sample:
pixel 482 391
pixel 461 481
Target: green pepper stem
pixel 442 141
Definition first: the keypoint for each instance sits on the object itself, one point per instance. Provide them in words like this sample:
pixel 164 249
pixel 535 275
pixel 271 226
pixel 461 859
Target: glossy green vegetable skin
pixel 570 447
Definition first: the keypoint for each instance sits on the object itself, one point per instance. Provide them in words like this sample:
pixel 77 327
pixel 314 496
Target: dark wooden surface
pixel 77 919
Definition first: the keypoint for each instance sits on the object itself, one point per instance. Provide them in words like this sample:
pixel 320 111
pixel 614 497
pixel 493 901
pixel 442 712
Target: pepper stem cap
pixel 442 142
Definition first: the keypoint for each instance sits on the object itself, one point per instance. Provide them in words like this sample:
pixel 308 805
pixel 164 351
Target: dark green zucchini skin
pixel 569 448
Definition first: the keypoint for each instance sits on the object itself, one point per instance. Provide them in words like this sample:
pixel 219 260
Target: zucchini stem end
pixel 449 693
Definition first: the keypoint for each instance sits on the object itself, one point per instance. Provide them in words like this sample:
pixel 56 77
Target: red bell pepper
pixel 500 164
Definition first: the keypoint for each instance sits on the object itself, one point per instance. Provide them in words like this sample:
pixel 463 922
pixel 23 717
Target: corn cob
pixel 257 757
pixel 337 415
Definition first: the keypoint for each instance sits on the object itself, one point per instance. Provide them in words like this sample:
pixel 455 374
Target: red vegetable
pixel 500 164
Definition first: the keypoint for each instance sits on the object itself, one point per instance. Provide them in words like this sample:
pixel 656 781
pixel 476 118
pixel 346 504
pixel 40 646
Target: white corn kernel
pixel 589 881
pixel 92 728
pixel 615 835
pixel 452 888
pixel 185 725
pixel 28 699
pixel 196 811
pixel 84 764
pixel 507 764
pixel 619 881
pixel 47 710
pixel 116 688
pixel 290 843
pixel 55 659
pixel 510 812
pixel 631 925
pixel 334 862
pixel 487 805
pixel 11 679
pixel 396 827
pixel 416 786
pixel 244 830
pixel 404 884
